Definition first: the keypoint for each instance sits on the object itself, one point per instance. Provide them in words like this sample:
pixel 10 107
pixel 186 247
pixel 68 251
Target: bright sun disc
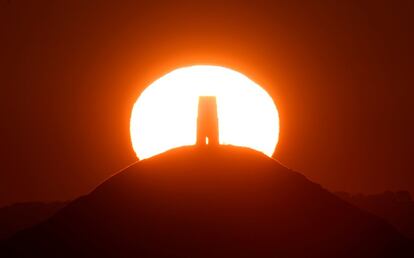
pixel 165 114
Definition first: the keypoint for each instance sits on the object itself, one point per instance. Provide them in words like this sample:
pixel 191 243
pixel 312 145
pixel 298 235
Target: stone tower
pixel 207 121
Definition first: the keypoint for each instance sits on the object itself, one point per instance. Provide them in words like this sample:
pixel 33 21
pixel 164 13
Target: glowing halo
pixel 165 114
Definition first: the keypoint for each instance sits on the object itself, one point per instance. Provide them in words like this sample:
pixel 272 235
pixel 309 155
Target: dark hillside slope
pixel 19 216
pixel 210 202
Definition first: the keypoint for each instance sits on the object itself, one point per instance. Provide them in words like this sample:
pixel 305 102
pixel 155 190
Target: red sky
pixel 340 74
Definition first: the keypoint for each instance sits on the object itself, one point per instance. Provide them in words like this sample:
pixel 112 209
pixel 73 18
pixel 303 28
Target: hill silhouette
pixel 395 207
pixel 203 201
pixel 19 216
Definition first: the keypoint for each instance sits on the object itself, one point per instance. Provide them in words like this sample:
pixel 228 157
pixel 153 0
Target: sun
pixel 165 114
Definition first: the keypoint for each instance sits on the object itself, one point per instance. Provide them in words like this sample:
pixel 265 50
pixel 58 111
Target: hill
pixel 209 202
pixel 395 207
pixel 19 216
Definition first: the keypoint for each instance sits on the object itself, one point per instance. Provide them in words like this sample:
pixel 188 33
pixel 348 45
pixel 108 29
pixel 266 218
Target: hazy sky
pixel 341 75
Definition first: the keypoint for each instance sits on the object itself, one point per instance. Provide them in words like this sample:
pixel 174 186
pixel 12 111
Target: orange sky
pixel 340 73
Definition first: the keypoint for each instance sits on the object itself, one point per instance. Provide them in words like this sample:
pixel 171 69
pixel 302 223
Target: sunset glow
pixel 165 114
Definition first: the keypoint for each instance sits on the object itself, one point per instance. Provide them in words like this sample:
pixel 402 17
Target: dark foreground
pixel 209 202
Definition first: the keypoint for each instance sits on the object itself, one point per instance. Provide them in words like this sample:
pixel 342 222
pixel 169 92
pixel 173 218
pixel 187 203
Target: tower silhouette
pixel 207 121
